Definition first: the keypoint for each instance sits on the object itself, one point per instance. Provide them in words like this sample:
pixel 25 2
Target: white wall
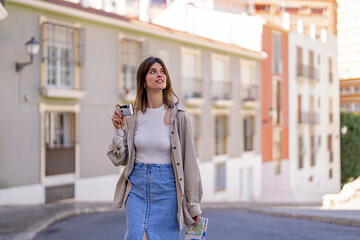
pixel 250 181
pixel 311 182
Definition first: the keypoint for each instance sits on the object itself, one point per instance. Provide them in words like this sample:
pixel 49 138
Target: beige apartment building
pixel 55 113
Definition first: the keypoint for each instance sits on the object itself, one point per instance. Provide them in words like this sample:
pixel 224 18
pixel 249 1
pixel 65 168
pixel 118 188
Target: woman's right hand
pixel 117 119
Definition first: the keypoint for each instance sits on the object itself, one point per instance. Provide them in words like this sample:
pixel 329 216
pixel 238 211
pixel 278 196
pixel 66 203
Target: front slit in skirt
pixel 151 205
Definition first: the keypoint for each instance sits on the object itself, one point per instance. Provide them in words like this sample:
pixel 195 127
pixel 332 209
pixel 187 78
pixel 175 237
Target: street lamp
pixel 343 130
pixel 32 48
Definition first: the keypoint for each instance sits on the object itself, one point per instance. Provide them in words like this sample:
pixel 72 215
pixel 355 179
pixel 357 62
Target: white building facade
pixel 314 140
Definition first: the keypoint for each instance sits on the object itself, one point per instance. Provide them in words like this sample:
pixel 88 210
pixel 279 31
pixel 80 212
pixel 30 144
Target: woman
pixel 160 186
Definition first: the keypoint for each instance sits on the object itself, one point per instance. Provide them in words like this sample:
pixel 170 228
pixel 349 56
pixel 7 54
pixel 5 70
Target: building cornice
pixel 76 10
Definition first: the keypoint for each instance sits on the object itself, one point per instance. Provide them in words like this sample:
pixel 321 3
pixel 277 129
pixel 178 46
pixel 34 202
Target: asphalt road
pixel 223 225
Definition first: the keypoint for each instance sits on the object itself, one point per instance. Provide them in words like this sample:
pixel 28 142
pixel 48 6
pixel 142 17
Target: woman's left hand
pixel 196 219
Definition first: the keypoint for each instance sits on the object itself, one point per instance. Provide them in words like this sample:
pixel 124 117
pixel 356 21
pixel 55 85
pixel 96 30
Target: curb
pixel 318 218
pixel 39 226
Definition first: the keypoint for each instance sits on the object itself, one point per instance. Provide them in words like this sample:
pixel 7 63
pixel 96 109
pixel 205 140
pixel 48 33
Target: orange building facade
pixel 274 102
pixel 350 95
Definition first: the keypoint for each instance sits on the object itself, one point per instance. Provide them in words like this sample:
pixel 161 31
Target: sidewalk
pixel 24 222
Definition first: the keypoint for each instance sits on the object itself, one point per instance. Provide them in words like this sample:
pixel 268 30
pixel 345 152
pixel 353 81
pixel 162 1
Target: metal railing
pixel 308 117
pixel 192 87
pixel 221 145
pixel 310 72
pixel 221 90
pixel 60 160
pixel 249 92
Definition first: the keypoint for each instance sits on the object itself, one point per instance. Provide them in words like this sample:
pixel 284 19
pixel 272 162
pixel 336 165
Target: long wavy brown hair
pixel 141 100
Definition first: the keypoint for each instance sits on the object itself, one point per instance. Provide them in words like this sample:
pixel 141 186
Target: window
pixel 62 56
pixel 277 149
pixel 299 109
pixel 248 84
pixel 311 65
pixel 330 70
pixel 345 90
pixel 357 107
pixel 248 133
pixel 330 173
pixel 313 116
pixel 276 101
pixel 294 10
pixel 132 52
pixel 317 10
pixel 299 61
pixel 158 2
pixel 356 89
pixel 330 110
pixel 300 152
pixel 220 176
pixel 221 134
pixel 195 125
pixel 261 7
pixel 220 80
pixel 330 148
pixel 277 58
pixel 346 107
pixel 60 143
pixel 191 82
pixel 312 150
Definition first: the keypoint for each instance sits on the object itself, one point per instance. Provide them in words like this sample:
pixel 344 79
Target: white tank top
pixel 152 137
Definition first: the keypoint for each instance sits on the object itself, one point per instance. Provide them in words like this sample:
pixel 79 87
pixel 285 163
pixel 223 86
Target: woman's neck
pixel 155 99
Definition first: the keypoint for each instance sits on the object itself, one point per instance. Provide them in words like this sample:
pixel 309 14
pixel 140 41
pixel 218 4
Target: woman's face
pixel 155 78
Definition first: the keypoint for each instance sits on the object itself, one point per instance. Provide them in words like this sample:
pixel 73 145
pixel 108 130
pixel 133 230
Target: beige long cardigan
pixel 183 159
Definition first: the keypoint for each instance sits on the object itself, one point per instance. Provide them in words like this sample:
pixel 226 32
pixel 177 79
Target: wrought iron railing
pixel 221 90
pixel 60 160
pixel 192 87
pixel 249 92
pixel 308 117
pixel 310 72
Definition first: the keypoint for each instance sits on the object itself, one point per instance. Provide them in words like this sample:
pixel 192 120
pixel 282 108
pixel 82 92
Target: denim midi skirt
pixel 151 205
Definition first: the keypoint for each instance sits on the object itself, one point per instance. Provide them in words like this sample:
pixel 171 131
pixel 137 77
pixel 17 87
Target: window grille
pixel 62 56
pixel 132 54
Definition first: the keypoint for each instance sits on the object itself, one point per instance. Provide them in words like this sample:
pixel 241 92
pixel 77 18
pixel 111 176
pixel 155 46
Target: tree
pixel 350 147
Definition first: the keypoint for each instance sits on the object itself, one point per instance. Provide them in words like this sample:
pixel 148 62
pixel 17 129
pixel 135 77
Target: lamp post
pixel 32 48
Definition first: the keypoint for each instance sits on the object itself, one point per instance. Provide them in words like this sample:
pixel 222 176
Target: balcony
pixel 221 93
pixel 309 72
pixel 54 92
pixel 306 117
pixel 192 90
pixel 249 95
